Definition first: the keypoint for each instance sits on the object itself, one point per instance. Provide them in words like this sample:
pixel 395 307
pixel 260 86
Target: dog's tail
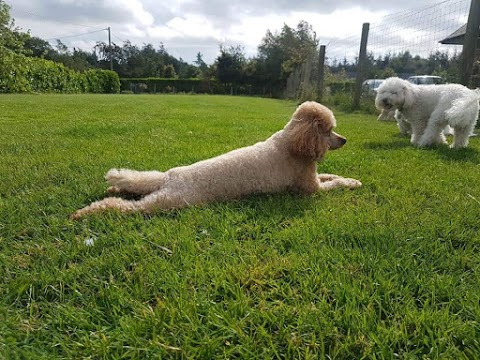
pixel 135 182
pixel 464 110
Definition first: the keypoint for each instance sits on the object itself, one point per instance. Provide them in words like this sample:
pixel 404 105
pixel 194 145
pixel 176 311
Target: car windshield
pixel 373 83
pixel 427 80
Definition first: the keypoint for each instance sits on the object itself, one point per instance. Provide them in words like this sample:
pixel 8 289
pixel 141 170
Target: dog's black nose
pixel 385 101
pixel 343 141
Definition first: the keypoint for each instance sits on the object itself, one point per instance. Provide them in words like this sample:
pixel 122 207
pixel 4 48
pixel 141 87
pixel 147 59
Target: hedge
pixel 346 86
pixel 161 85
pixel 19 74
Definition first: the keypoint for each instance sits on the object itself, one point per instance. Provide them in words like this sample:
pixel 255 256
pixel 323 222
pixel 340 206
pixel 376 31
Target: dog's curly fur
pixel 428 109
pixel 285 161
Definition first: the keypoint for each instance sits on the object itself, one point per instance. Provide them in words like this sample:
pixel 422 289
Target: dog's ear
pixel 305 140
pixel 307 126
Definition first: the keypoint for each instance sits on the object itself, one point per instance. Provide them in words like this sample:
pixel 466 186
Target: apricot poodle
pixel 287 161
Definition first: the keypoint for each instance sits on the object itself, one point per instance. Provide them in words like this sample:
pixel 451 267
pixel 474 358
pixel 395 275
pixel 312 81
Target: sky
pixel 187 27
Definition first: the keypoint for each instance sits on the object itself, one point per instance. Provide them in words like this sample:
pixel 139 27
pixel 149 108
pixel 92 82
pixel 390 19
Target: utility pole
pixel 470 42
pixel 110 50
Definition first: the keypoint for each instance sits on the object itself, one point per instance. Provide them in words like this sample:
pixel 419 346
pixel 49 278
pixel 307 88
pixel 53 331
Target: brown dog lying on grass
pixel 287 161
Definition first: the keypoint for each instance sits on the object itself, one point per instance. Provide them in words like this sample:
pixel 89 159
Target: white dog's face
pixel 392 94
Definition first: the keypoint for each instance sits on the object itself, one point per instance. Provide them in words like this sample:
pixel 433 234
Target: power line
pixel 118 38
pixel 77 35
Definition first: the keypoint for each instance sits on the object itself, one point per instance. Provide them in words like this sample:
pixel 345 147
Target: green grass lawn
pixel 390 270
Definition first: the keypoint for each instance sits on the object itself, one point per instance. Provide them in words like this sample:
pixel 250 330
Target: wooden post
pixel 321 73
pixel 470 42
pixel 362 57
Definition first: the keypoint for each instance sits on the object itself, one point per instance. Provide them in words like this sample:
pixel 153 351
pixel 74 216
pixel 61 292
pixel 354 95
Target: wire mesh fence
pixel 421 32
pixel 418 31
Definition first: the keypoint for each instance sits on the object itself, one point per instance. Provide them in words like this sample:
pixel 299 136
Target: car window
pixel 426 80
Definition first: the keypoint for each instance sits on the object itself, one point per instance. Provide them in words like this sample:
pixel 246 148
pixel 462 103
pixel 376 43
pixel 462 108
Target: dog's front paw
pixel 352 183
pixel 113 190
pixel 112 175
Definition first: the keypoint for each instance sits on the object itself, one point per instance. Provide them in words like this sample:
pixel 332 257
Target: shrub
pixel 161 85
pixel 19 73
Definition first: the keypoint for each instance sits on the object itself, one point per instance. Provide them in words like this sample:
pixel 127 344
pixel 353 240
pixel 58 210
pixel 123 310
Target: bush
pixel 12 72
pixel 346 86
pixel 161 85
pixel 19 73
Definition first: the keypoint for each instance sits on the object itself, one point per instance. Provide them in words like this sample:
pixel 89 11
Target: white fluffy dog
pixel 428 109
pixel 285 161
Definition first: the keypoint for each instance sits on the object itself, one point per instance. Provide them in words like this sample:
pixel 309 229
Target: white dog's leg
pixel 391 115
pixel 387 115
pixel 432 135
pixel 135 182
pixel 330 182
pixel 461 136
pixel 433 132
pixel 448 130
pixel 417 129
pixel 381 117
pixel 404 127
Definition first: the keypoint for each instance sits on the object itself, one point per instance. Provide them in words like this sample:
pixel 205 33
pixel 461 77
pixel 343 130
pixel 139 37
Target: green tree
pixel 202 66
pixel 38 47
pixel 279 54
pixel 169 72
pixel 10 36
pixel 229 66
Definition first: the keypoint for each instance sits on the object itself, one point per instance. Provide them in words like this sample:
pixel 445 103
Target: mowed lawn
pixel 390 270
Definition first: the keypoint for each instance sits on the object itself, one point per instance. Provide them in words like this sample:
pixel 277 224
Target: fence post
pixel 321 73
pixel 362 57
pixel 470 42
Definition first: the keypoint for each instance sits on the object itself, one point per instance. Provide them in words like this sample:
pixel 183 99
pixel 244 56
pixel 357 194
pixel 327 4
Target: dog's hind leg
pixel 433 133
pixel 160 200
pixel 135 182
pixel 462 116
pixel 461 136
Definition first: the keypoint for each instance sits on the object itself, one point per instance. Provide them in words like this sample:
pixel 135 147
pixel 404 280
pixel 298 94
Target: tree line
pixel 279 54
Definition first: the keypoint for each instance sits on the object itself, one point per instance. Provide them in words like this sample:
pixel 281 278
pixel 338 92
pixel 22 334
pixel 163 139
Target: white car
pixel 371 85
pixel 426 80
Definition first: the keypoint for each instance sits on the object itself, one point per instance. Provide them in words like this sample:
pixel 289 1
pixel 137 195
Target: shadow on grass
pixel 256 206
pixel 468 154
pixel 397 143
pixel 286 205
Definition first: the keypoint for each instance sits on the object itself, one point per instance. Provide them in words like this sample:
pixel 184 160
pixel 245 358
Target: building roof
pixel 455 38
